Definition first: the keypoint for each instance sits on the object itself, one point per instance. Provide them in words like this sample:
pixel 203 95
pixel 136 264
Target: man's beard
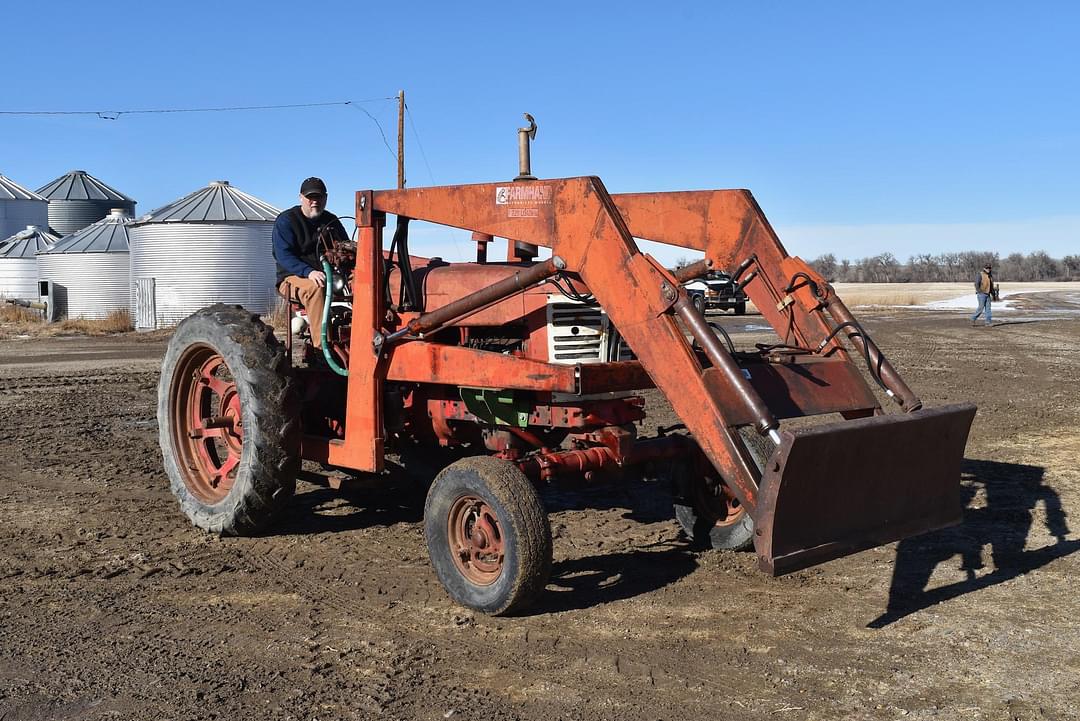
pixel 314 214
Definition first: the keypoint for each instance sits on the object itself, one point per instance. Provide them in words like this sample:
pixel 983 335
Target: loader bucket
pixel 834 489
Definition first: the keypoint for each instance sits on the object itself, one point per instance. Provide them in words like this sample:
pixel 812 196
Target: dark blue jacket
pixel 296 241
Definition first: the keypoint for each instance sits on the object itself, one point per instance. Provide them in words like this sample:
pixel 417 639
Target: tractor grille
pixel 578 333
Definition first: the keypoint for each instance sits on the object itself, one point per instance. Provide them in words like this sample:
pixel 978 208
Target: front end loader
pixel 524 371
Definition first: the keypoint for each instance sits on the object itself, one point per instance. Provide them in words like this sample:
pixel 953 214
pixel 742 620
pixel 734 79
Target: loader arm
pixel 859 466
pixel 729 227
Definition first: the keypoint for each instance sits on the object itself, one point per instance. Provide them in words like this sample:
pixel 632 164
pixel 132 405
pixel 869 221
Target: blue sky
pixel 859 127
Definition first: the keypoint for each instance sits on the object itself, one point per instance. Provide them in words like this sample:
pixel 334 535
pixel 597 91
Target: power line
pixel 449 231
pixel 379 126
pixel 115 114
pixel 416 135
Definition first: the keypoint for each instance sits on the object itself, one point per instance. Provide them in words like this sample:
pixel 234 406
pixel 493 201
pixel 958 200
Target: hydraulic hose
pixel 328 299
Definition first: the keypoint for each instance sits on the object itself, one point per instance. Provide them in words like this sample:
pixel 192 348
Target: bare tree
pixel 923 268
pixel 1012 268
pixel 885 267
pixel 1041 266
pixel 826 265
pixel 950 263
pixel 955 267
pixel 1071 266
pixel 845 270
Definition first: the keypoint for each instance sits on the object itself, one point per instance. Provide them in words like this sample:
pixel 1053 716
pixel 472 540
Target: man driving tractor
pixel 296 248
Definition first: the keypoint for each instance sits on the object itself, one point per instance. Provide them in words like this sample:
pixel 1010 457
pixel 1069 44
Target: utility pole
pixel 401 139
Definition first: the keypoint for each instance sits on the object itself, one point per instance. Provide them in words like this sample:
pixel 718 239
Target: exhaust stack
pixel 525 135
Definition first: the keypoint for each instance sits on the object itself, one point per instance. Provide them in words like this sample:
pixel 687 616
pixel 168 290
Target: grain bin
pixel 20 208
pixel 18 266
pixel 211 246
pixel 90 270
pixel 78 199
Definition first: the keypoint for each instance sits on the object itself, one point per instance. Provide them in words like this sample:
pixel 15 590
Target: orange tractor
pixel 526 369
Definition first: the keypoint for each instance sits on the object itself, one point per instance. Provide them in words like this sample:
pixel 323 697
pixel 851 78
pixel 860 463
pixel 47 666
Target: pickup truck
pixel 716 291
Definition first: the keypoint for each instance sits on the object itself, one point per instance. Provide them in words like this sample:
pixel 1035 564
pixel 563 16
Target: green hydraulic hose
pixel 328 299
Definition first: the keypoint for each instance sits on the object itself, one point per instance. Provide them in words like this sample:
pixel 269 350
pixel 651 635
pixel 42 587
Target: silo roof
pixel 10 190
pixel 108 235
pixel 26 243
pixel 80 185
pixel 218 202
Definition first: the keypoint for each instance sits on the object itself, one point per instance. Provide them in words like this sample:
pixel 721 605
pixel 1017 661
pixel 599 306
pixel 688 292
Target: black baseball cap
pixel 312 185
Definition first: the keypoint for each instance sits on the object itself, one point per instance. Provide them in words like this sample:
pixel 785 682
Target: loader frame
pixel 591 235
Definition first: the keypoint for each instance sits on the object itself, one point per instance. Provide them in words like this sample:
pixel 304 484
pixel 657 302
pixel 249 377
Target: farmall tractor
pixel 525 370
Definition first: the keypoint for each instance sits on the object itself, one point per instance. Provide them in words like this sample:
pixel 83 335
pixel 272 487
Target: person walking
pixel 984 289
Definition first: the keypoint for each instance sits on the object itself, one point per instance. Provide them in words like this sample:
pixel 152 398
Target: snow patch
pixel 970 302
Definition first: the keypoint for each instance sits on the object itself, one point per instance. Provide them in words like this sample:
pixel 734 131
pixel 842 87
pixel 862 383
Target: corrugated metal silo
pixel 78 199
pixel 20 208
pixel 211 246
pixel 18 266
pixel 90 269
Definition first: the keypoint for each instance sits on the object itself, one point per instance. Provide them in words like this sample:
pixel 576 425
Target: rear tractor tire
pixel 228 419
pixel 488 535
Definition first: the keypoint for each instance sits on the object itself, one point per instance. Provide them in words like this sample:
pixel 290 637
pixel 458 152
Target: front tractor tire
pixel 228 419
pixel 707 511
pixel 488 535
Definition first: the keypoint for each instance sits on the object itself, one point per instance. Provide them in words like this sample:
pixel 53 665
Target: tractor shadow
pixel 643 497
pixel 593 580
pixel 1000 517
pixel 397 496
pixel 589 581
pixel 362 501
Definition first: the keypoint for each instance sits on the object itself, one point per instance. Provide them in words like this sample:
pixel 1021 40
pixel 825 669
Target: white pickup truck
pixel 716 291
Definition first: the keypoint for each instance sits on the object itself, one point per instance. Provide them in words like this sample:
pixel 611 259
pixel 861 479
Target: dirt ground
pixel 112 606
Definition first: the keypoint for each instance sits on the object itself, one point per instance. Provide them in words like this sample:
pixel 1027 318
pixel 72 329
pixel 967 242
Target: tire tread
pixel 266 477
pixel 518 505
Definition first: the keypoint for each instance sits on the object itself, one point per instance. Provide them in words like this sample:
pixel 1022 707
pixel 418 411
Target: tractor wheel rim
pixel 716 503
pixel 476 540
pixel 207 423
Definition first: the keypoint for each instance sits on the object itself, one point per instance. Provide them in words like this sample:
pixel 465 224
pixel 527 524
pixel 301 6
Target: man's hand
pixel 318 278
